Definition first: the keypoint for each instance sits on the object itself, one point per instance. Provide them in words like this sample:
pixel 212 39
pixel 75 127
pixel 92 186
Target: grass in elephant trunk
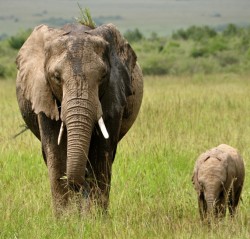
pixel 151 194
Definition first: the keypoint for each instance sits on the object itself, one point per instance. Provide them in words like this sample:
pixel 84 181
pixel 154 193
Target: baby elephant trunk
pixel 210 199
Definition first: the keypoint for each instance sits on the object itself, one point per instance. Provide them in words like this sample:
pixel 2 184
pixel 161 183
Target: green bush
pixel 199 52
pixel 156 65
pixel 244 42
pixel 231 30
pixel 209 47
pixel 180 34
pixel 217 45
pixel 195 33
pixel 17 41
pixel 133 35
pixel 171 47
pixel 2 71
pixel 198 33
pixel 227 58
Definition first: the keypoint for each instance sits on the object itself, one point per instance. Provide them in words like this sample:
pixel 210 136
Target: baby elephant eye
pixel 202 186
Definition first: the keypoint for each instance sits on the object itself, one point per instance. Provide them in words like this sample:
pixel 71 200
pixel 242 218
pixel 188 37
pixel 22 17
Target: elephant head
pixel 79 76
pixel 209 178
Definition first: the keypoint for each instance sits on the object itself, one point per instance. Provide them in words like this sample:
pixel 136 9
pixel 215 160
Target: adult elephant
pixel 68 81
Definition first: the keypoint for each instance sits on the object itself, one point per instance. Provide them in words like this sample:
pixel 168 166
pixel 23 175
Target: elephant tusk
pixel 103 128
pixel 60 134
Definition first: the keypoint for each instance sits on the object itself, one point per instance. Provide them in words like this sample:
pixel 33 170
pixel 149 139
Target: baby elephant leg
pixel 233 201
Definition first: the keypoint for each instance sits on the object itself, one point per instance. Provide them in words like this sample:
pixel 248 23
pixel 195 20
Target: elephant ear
pixel 229 164
pixel 122 60
pixel 31 76
pixel 200 160
pixel 195 177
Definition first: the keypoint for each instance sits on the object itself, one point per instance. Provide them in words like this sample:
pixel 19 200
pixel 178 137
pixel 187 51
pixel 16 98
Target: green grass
pixel 151 195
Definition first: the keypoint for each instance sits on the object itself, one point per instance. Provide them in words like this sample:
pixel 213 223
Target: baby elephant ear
pixel 195 176
pixel 31 76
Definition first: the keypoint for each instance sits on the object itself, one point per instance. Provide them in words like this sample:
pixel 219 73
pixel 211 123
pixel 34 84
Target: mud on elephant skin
pixel 218 178
pixel 70 80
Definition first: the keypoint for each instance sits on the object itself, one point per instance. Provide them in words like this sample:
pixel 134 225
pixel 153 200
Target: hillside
pixel 161 16
pixel 196 50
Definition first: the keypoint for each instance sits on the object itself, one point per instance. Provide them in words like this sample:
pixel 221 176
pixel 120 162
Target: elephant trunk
pixel 210 204
pixel 80 120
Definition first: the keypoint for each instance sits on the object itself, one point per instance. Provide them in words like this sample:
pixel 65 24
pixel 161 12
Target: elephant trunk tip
pixel 72 185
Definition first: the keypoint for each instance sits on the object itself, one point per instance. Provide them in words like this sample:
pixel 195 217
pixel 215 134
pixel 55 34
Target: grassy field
pixel 152 195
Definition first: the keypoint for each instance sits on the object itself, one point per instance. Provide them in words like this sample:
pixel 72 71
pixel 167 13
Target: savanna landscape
pixel 196 96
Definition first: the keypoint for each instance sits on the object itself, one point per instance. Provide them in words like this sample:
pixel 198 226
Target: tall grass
pixel 151 195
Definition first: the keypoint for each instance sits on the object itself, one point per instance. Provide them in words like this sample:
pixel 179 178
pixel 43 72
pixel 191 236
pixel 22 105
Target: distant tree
pixel 180 34
pixel 133 35
pixel 195 33
pixel 231 30
pixel 153 36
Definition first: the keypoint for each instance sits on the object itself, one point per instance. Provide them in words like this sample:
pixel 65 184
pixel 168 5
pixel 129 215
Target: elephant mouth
pixel 100 123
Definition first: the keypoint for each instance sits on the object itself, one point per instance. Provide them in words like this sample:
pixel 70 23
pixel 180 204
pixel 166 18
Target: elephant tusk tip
pixel 103 128
pixel 60 134
pixel 106 135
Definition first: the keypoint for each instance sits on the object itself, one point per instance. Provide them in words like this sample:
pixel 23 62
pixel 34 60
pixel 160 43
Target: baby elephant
pixel 218 178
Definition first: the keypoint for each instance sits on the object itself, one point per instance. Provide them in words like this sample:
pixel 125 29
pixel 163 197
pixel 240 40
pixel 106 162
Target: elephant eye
pixel 202 186
pixel 56 77
pixel 105 72
pixel 105 75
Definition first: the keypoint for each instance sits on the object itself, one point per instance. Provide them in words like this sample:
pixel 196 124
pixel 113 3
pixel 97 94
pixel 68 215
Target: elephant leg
pixel 99 170
pixel 202 206
pixel 233 201
pixel 98 176
pixel 55 158
pixel 101 156
pixel 220 208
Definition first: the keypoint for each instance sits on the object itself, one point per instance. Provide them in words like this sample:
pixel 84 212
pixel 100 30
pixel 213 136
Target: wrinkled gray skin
pixel 218 178
pixel 76 75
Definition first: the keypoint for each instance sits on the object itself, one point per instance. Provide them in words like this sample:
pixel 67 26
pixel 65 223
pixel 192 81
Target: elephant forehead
pixel 81 55
pixel 75 45
pixel 212 168
pixel 84 50
pixel 86 42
